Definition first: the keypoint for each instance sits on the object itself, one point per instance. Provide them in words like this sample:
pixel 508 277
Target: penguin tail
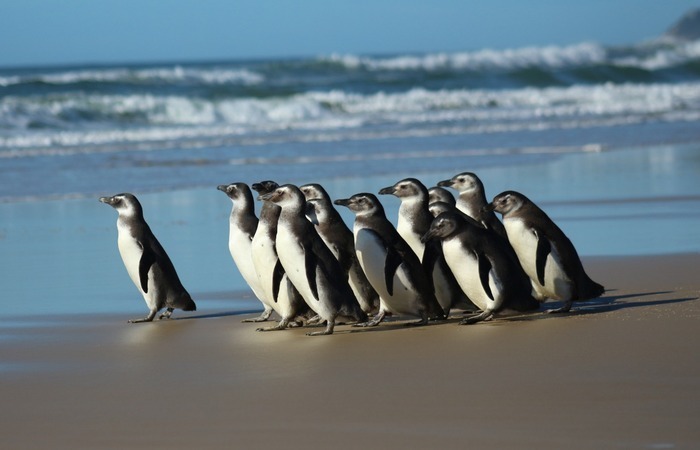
pixel 591 290
pixel 186 303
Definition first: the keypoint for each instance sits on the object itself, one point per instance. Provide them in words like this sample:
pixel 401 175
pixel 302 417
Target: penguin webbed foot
pixel 372 323
pixel 166 315
pixel 327 331
pixel 148 318
pixel 421 322
pixel 564 309
pixel 261 318
pixel 486 315
pixel 282 325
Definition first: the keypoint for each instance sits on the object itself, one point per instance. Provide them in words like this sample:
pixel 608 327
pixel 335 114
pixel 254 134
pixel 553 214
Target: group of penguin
pixel 302 261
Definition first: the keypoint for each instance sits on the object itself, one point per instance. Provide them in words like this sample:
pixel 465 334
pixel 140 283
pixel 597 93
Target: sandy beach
pixel 620 372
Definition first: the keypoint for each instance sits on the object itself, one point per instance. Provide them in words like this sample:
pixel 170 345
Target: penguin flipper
pixel 484 270
pixel 391 265
pixel 311 263
pixel 148 257
pixel 277 275
pixel 544 248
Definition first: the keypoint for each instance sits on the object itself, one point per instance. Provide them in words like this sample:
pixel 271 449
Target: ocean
pixel 605 139
pixel 79 131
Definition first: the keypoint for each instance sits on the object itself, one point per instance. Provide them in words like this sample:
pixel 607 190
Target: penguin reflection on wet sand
pixel 309 263
pixel 242 226
pixel 339 239
pixel 389 263
pixel 483 266
pixel 148 265
pixel 545 253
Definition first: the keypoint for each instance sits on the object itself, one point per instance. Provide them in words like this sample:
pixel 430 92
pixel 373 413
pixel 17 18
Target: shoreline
pixel 619 372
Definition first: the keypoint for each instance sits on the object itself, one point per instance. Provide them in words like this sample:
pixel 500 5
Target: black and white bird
pixel 339 239
pixel 308 262
pixel 472 199
pixel 147 264
pixel 483 266
pixel 544 251
pixel 390 264
pixel 242 227
pixel 284 297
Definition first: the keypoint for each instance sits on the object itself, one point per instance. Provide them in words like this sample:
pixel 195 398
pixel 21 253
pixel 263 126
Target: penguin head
pixel 440 194
pixel 264 187
pixel 362 204
pixel 235 191
pixel 408 188
pixel 444 225
pixel 126 204
pixel 506 202
pixel 312 191
pixel 285 196
pixel 465 183
pixel 437 208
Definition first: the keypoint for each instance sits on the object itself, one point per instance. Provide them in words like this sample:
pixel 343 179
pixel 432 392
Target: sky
pixel 63 32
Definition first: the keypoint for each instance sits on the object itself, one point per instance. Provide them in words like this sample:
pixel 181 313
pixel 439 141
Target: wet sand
pixel 619 372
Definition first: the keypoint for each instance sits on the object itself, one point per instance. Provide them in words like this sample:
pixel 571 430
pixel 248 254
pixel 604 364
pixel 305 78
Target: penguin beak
pixel 342 202
pixel 222 187
pixel 427 236
pixel 489 207
pixel 387 190
pixel 107 200
pixel 445 183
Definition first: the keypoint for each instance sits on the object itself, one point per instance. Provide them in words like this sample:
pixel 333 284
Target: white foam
pixel 545 57
pixel 214 76
pixel 321 116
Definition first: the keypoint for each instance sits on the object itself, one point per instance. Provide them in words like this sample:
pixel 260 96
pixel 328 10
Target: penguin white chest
pixel 240 247
pixel 465 267
pixel 405 229
pixel 524 241
pixel 372 256
pixel 131 252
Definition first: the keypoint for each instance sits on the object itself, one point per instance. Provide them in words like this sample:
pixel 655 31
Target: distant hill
pixel 687 28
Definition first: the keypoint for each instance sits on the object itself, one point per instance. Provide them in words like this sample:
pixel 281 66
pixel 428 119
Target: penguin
pixel 545 253
pixel 309 264
pixel 148 265
pixel 482 264
pixel 242 226
pixel 414 221
pixel 389 263
pixel 440 194
pixel 472 199
pixel 339 239
pixel 414 217
pixel 285 298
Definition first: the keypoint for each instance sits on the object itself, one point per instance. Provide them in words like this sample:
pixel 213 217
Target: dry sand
pixel 621 372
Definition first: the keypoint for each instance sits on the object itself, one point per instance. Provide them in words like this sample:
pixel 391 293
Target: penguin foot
pixel 328 330
pixel 486 315
pixel 282 325
pixel 418 324
pixel 564 309
pixel 148 318
pixel 166 314
pixel 261 318
pixel 314 320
